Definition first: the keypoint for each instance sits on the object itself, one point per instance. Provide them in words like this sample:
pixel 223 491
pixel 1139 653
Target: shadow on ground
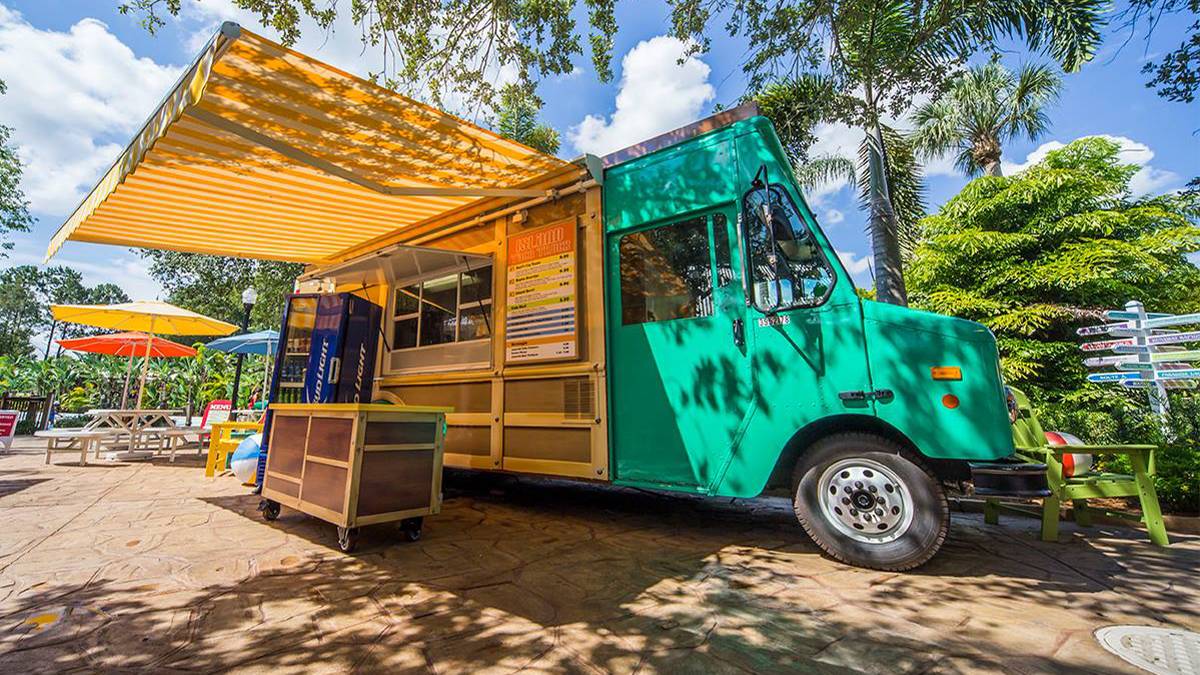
pixel 567 577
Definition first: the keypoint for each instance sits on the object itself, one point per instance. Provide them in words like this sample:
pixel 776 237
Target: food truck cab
pixel 669 316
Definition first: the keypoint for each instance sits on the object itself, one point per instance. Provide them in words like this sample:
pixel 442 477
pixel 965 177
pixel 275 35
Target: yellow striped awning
pixel 262 152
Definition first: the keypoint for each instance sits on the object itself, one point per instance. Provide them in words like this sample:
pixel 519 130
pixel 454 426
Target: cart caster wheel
pixel 347 539
pixel 410 528
pixel 269 508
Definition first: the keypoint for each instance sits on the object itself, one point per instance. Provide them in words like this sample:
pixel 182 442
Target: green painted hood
pixel 903 347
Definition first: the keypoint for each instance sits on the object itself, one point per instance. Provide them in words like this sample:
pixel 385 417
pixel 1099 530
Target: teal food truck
pixel 669 316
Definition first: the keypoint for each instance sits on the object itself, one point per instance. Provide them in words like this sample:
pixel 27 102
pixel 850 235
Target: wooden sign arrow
pixel 1120 315
pixel 1168 355
pixel 1167 351
pixel 1134 332
pixel 1182 374
pixel 1189 336
pixel 1169 384
pixel 1105 344
pixel 1113 377
pixel 1176 320
pixel 1103 330
pixel 1097 361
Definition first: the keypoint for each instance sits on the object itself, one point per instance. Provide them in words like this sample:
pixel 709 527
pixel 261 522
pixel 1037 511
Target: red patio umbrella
pixel 127 344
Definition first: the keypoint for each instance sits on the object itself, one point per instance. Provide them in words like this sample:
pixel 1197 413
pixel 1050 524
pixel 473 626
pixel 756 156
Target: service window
pixel 441 322
pixel 666 273
pixel 788 269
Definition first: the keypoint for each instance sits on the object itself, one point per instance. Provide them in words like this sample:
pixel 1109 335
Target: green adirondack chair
pixel 1030 439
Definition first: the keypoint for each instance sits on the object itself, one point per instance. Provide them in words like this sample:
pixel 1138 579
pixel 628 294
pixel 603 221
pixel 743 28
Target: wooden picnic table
pixel 134 423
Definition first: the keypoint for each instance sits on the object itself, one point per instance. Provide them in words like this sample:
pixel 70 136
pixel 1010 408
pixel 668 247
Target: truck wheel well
pixel 945 469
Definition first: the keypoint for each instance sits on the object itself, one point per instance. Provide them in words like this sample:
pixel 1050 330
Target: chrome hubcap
pixel 865 500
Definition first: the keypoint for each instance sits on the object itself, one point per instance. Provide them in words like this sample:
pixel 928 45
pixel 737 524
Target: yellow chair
pixel 224 440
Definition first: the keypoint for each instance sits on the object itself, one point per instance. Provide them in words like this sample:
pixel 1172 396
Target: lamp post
pixel 249 297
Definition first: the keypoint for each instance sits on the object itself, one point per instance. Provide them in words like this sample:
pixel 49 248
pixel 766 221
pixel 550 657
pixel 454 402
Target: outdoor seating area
pixel 1075 486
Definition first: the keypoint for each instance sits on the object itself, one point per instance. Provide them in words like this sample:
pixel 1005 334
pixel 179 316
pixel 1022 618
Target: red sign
pixel 8 423
pixel 1105 344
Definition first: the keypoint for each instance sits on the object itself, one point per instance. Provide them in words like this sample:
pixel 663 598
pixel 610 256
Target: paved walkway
pixel 149 566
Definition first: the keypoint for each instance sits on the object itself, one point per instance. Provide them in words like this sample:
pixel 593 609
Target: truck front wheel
pixel 869 502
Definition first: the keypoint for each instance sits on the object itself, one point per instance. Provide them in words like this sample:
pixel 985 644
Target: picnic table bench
pixel 73 440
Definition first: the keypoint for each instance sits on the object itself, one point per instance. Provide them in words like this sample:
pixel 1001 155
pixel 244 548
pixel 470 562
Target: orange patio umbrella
pixel 127 344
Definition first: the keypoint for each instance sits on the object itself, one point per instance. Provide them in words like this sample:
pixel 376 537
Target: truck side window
pixel 666 273
pixel 804 278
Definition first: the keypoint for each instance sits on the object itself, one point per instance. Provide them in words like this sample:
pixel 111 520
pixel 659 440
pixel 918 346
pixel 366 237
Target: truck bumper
pixel 1009 479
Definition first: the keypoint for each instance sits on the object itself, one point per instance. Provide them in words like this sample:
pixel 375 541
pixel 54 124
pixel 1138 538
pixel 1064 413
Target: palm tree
pixel 883 53
pixel 982 109
pixel 797 105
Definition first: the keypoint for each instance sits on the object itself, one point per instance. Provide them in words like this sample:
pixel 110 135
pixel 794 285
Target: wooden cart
pixel 355 464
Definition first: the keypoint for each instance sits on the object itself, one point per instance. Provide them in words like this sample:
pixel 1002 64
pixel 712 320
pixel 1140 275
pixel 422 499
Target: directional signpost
pixel 1150 354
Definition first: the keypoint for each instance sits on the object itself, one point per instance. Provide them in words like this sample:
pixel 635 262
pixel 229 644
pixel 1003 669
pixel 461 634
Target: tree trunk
pixel 884 228
pixel 985 152
pixel 49 340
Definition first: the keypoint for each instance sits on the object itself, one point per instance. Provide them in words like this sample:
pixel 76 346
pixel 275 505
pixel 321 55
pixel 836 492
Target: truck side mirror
pixel 769 295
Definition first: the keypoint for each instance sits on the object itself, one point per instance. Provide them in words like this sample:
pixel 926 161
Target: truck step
pixel 1009 479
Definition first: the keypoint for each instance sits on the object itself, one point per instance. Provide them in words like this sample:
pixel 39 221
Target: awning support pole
pixel 335 170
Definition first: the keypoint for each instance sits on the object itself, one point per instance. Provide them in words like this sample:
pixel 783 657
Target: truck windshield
pixel 789 269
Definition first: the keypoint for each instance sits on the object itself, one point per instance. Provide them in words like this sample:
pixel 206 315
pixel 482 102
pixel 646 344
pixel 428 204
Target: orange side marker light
pixel 946 373
pixel 950 401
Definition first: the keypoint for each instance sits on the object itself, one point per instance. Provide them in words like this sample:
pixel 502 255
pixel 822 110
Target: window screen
pixel 666 273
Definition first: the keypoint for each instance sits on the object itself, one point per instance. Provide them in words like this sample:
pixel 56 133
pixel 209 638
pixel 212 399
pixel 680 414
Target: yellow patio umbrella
pixel 148 316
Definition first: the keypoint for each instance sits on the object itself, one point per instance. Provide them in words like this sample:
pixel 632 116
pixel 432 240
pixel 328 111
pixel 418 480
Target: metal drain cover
pixel 1167 651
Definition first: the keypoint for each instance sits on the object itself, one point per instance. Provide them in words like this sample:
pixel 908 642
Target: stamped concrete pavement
pixel 149 566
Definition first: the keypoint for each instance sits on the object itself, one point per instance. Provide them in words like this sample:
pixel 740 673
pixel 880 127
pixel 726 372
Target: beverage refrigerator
pixel 326 354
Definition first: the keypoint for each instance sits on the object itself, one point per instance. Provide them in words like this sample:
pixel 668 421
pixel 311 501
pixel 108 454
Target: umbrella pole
pixel 145 366
pixel 128 374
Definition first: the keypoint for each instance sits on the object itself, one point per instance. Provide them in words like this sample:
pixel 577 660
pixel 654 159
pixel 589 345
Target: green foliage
pixel 14 208
pixel 516 118
pixel 1176 74
pixel 213 285
pixel 797 105
pixel 1037 255
pixel 26 293
pixel 438 48
pixel 885 54
pixel 982 109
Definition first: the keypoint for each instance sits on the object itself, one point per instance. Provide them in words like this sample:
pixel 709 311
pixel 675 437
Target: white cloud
pixel 74 100
pixel 832 217
pixel 111 265
pixel 1148 178
pixel 859 268
pixel 657 94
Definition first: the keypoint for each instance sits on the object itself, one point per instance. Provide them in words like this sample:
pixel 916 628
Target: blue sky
pixel 82 78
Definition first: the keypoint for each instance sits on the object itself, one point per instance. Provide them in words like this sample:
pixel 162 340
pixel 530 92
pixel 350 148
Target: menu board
pixel 540 323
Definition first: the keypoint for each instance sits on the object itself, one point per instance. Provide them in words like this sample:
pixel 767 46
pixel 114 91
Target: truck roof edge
pixel 711 123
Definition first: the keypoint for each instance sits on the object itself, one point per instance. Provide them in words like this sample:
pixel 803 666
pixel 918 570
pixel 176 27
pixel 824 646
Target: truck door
pixel 680 380
pixel 805 320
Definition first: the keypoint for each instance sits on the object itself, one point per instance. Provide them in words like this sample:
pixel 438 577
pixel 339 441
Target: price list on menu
pixel 540 322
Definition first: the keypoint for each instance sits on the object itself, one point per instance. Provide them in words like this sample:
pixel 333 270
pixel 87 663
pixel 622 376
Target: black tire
pixel 270 509
pixel 892 540
pixel 410 528
pixel 347 538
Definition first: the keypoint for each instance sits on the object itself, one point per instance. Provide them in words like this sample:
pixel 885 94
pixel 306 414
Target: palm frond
pixel 825 169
